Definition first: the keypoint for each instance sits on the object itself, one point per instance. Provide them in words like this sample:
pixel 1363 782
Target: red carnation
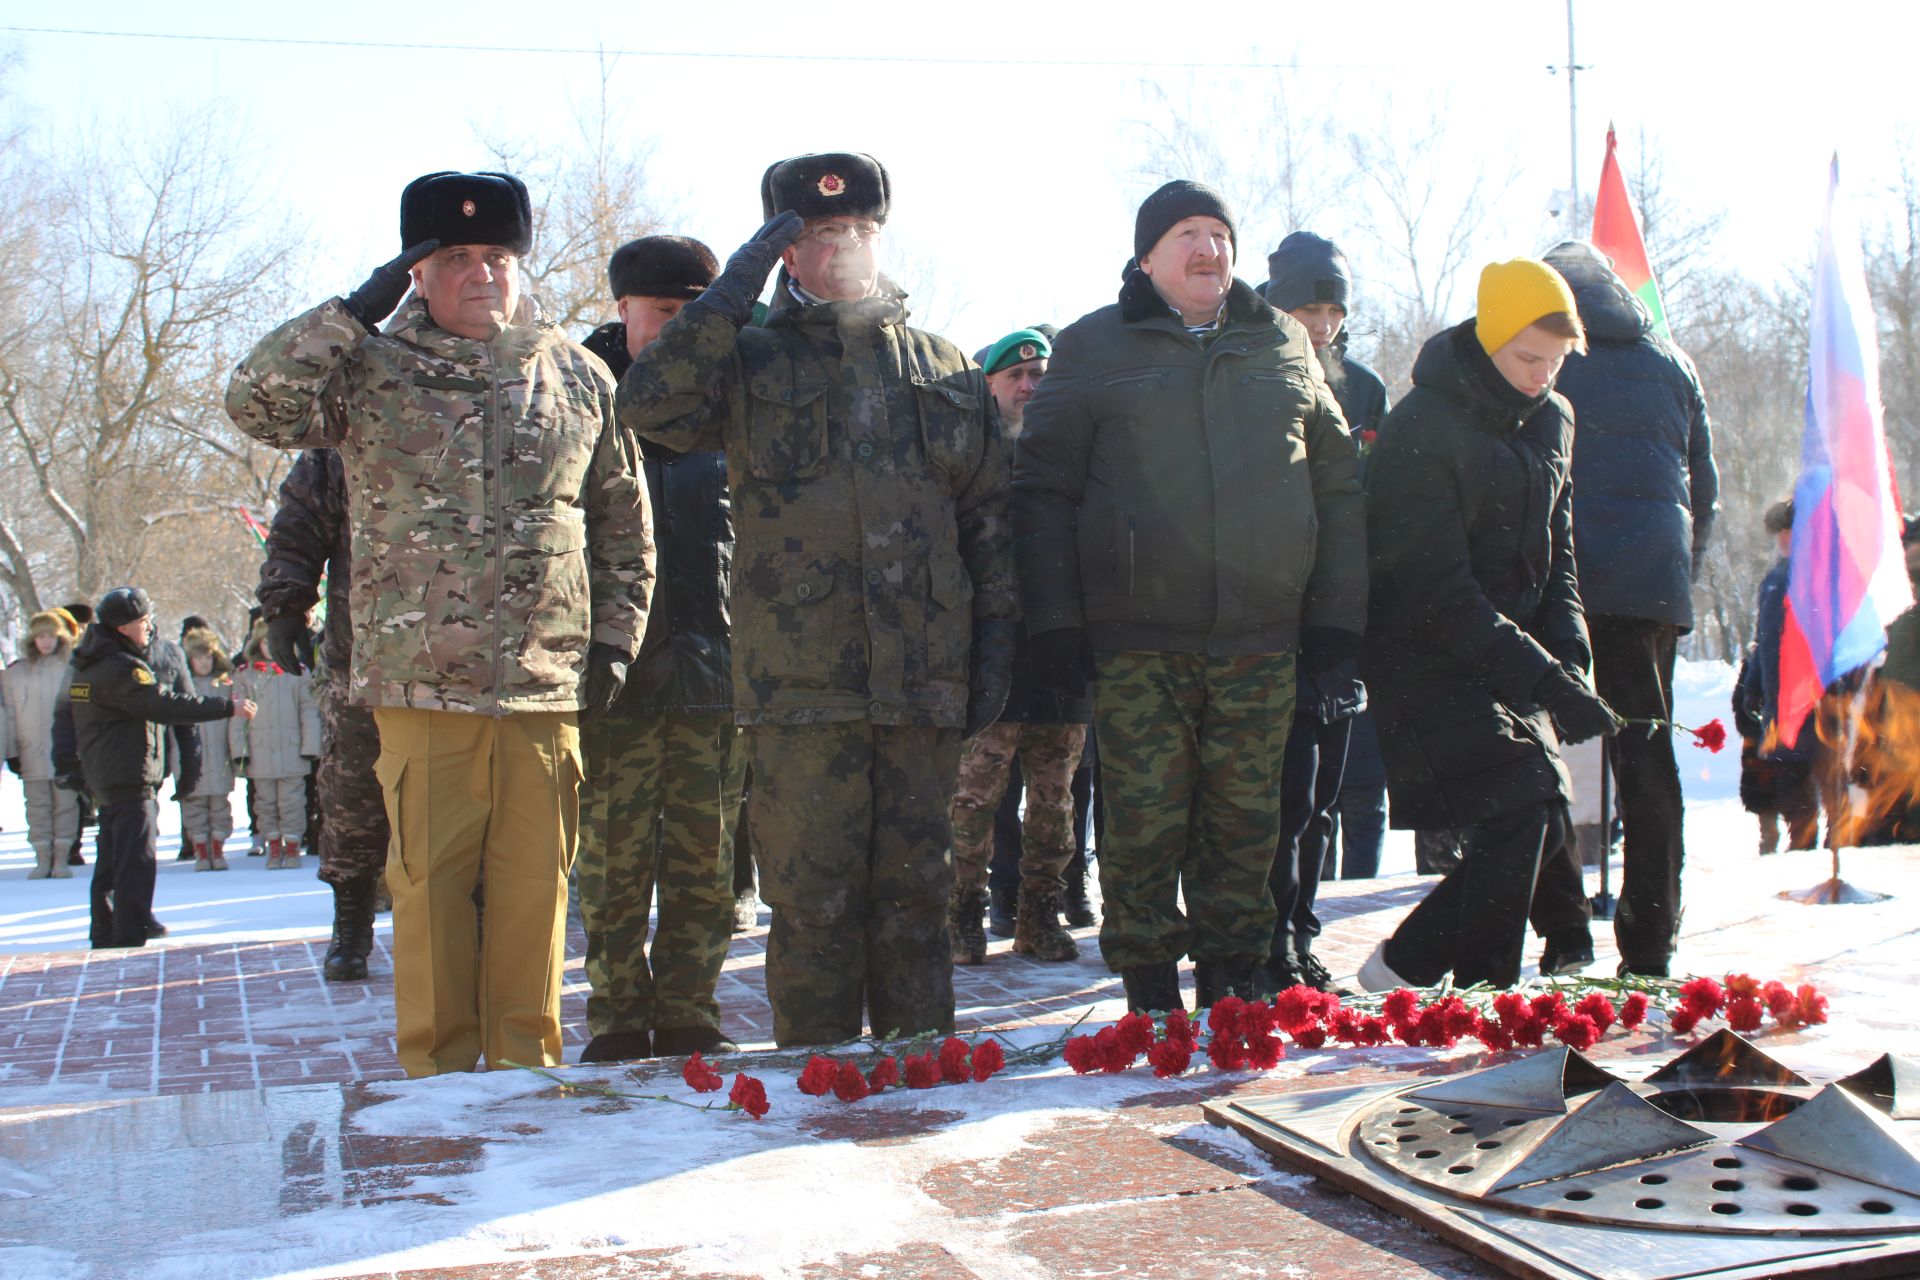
pixel 1703 997
pixel 1633 1010
pixel 817 1079
pixel 1550 1008
pixel 1345 1026
pixel 1743 1014
pixel 1265 1051
pixel 1779 1000
pixel 700 1077
pixel 922 1071
pixel 1170 1057
pixel 1081 1053
pixel 1682 1020
pixel 848 1084
pixel 1373 1031
pixel 885 1073
pixel 953 1060
pixel 1512 1007
pixel 1400 1006
pixel 1135 1033
pixel 1577 1030
pixel 1310 1037
pixel 1711 735
pixel 1227 1053
pixel 1742 986
pixel 1115 1057
pixel 1596 1006
pixel 1223 1019
pixel 1367 436
pixel 1810 1005
pixel 1494 1035
pixel 1180 1028
pixel 988 1058
pixel 749 1095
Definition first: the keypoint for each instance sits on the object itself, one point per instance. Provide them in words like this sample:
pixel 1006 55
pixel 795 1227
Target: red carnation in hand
pixel 885 1073
pixel 1135 1033
pixel 922 1071
pixel 1633 1010
pixel 700 1077
pixel 848 1084
pixel 749 1095
pixel 1810 1005
pixel 1743 1014
pixel 1577 1030
pixel 988 1058
pixel 1170 1057
pixel 1702 997
pixel 817 1079
pixel 953 1060
pixel 1596 1006
pixel 1711 735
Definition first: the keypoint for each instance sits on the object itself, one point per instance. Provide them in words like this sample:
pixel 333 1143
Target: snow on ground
pixel 249 902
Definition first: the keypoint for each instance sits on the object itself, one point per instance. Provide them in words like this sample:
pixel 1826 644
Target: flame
pixel 1867 767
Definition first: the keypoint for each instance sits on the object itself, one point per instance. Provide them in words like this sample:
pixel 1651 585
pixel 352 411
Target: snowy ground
pixel 249 902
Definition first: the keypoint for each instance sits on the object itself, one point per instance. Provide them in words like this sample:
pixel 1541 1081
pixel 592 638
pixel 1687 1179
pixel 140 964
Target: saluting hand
pixel 381 292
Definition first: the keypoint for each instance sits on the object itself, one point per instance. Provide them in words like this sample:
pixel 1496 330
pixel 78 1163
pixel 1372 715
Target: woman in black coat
pixel 1477 648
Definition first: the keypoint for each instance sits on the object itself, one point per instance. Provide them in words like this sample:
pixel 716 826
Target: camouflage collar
pixel 412 325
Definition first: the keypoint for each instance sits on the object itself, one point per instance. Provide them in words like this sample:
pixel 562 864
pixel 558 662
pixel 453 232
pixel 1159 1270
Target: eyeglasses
pixel 835 235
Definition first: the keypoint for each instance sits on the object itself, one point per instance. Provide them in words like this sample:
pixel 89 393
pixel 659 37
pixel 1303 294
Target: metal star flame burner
pixel 1722 1163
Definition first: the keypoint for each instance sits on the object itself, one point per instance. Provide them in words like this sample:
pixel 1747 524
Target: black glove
pixel 375 300
pixel 732 296
pixel 72 780
pixel 606 676
pixel 989 671
pixel 1329 675
pixel 13 763
pixel 287 637
pixel 1577 711
pixel 1062 661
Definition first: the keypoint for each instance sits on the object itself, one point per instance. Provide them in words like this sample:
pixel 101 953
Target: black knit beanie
pixel 1306 269
pixel 1176 200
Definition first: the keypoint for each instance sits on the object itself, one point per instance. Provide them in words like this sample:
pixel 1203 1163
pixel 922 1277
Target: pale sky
pixel 1014 185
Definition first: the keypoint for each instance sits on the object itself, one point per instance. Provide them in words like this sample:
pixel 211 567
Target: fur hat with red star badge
pixel 467 208
pixel 830 184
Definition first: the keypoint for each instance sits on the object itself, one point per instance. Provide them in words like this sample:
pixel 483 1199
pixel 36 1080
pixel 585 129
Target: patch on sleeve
pixel 142 676
pixel 80 693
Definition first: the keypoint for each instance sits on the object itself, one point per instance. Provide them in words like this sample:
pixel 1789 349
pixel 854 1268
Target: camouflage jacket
pixel 869 502
pixel 500 521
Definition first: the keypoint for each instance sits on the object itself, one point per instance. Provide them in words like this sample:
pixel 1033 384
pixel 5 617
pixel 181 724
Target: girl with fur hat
pixel 276 748
pixel 207 811
pixel 33 687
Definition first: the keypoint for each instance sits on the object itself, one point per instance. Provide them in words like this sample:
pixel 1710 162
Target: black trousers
pixel 123 869
pixel 1360 826
pixel 1633 670
pixel 1310 777
pixel 1474 923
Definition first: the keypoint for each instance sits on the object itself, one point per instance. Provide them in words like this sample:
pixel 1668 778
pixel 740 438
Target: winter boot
pixel 273 855
pixel 1001 905
pixel 1152 988
pixel 681 1042
pixel 42 865
pixel 1567 951
pixel 289 853
pixel 1073 899
pixel 202 854
pixel 61 868
pixel 1036 929
pixel 963 922
pixel 352 931
pixel 618 1046
pixel 1276 974
pixel 1213 980
pixel 216 854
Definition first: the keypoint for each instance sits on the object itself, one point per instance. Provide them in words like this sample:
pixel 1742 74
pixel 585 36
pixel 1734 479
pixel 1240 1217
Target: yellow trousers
pixel 468 794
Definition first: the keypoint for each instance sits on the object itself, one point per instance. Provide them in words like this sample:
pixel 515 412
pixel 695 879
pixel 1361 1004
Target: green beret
pixel 1017 347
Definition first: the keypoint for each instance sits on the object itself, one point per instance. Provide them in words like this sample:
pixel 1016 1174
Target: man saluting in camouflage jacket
pixel 873 592
pixel 501 564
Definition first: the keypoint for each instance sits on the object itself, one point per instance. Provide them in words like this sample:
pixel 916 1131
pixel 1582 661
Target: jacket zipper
pixel 499 512
pixel 1132 560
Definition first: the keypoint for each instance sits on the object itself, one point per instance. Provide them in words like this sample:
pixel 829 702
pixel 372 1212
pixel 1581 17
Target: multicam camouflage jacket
pixel 500 520
pixel 869 502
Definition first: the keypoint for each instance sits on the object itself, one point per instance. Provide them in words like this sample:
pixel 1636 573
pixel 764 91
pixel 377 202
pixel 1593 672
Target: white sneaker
pixel 1374 975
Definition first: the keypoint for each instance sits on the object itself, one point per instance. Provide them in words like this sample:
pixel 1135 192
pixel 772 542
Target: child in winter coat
pixel 208 808
pixel 277 748
pixel 33 687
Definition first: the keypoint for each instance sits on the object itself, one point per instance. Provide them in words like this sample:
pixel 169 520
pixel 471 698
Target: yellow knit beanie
pixel 1515 294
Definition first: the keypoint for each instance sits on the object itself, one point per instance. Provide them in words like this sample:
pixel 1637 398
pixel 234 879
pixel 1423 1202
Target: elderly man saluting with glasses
pixel 873 594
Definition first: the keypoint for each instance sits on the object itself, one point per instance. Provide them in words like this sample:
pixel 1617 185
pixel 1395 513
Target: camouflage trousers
pixel 659 808
pixel 852 837
pixel 1191 749
pixel 353 832
pixel 1048 755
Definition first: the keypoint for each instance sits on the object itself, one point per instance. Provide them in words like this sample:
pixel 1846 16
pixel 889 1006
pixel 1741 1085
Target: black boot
pixel 618 1046
pixel 352 931
pixel 1002 906
pixel 1078 911
pixel 1275 975
pixel 680 1042
pixel 1567 951
pixel 1214 979
pixel 1152 988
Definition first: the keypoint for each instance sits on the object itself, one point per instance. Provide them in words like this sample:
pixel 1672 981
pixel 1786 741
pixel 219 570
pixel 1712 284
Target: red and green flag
pixel 1616 233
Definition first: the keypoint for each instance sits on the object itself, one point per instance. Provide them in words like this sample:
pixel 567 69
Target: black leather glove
pixel 1329 687
pixel 375 299
pixel 1577 711
pixel 1062 661
pixel 606 676
pixel 13 763
pixel 287 637
pixel 732 295
pixel 989 671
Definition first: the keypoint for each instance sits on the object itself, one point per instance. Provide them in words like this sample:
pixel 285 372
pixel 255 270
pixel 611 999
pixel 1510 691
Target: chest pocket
pixel 786 427
pixel 551 444
pixel 1281 400
pixel 949 427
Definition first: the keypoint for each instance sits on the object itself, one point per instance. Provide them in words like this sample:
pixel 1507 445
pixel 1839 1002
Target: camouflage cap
pixel 826 185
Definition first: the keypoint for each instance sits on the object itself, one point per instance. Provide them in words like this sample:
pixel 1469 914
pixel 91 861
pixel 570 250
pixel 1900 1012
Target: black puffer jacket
pixel 685 661
pixel 121 710
pixel 1646 490
pixel 1474 596
pixel 310 538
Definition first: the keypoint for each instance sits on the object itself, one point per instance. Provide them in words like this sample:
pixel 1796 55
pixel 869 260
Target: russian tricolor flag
pixel 1848 578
